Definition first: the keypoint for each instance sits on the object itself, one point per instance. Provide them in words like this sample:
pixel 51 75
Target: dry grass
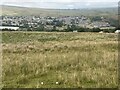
pixel 71 59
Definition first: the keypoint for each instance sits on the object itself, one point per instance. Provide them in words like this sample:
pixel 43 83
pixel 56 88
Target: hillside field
pixel 24 11
pixel 73 60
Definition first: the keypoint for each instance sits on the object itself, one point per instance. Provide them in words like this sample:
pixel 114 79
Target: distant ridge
pixel 25 11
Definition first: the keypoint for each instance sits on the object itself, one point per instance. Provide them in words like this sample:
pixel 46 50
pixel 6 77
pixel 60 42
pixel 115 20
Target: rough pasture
pixel 70 59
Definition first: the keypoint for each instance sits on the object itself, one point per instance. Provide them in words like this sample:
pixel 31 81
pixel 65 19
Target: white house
pixel 75 31
pixel 101 32
pixel 9 27
pixel 117 31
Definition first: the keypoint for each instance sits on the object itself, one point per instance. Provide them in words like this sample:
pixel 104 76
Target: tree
pixel 97 18
pixel 54 28
pixel 109 30
pixel 96 30
pixel 80 29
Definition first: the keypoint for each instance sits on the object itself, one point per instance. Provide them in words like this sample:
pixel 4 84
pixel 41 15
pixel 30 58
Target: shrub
pixel 109 30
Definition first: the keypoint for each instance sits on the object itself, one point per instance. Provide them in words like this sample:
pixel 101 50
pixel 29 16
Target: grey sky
pixel 62 4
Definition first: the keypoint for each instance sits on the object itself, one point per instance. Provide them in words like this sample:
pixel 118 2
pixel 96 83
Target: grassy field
pixel 74 60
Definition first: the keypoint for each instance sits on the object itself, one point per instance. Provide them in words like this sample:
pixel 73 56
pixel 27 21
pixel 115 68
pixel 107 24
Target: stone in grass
pixel 57 82
pixel 42 83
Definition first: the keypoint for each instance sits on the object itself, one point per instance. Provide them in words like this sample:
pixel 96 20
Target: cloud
pixel 60 1
pixel 62 4
pixel 70 6
pixel 88 4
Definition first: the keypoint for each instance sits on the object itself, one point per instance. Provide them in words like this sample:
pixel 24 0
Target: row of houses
pixel 50 22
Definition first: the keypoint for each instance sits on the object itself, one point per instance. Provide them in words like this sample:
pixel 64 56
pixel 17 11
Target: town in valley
pixel 48 23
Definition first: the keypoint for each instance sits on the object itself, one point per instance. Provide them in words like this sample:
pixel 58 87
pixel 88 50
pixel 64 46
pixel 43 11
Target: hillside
pixel 74 60
pixel 16 11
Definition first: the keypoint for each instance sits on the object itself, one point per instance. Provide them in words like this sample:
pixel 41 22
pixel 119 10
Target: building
pixel 8 27
pixel 117 31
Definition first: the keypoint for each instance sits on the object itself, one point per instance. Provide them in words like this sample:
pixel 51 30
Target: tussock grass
pixel 71 59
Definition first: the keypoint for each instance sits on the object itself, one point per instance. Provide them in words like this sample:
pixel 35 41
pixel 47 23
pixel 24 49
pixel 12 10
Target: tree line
pixel 68 29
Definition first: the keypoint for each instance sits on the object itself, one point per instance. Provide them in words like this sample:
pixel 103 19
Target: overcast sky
pixel 62 4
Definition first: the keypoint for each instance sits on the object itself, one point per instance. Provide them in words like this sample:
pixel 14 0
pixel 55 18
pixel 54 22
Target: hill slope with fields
pixel 18 11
